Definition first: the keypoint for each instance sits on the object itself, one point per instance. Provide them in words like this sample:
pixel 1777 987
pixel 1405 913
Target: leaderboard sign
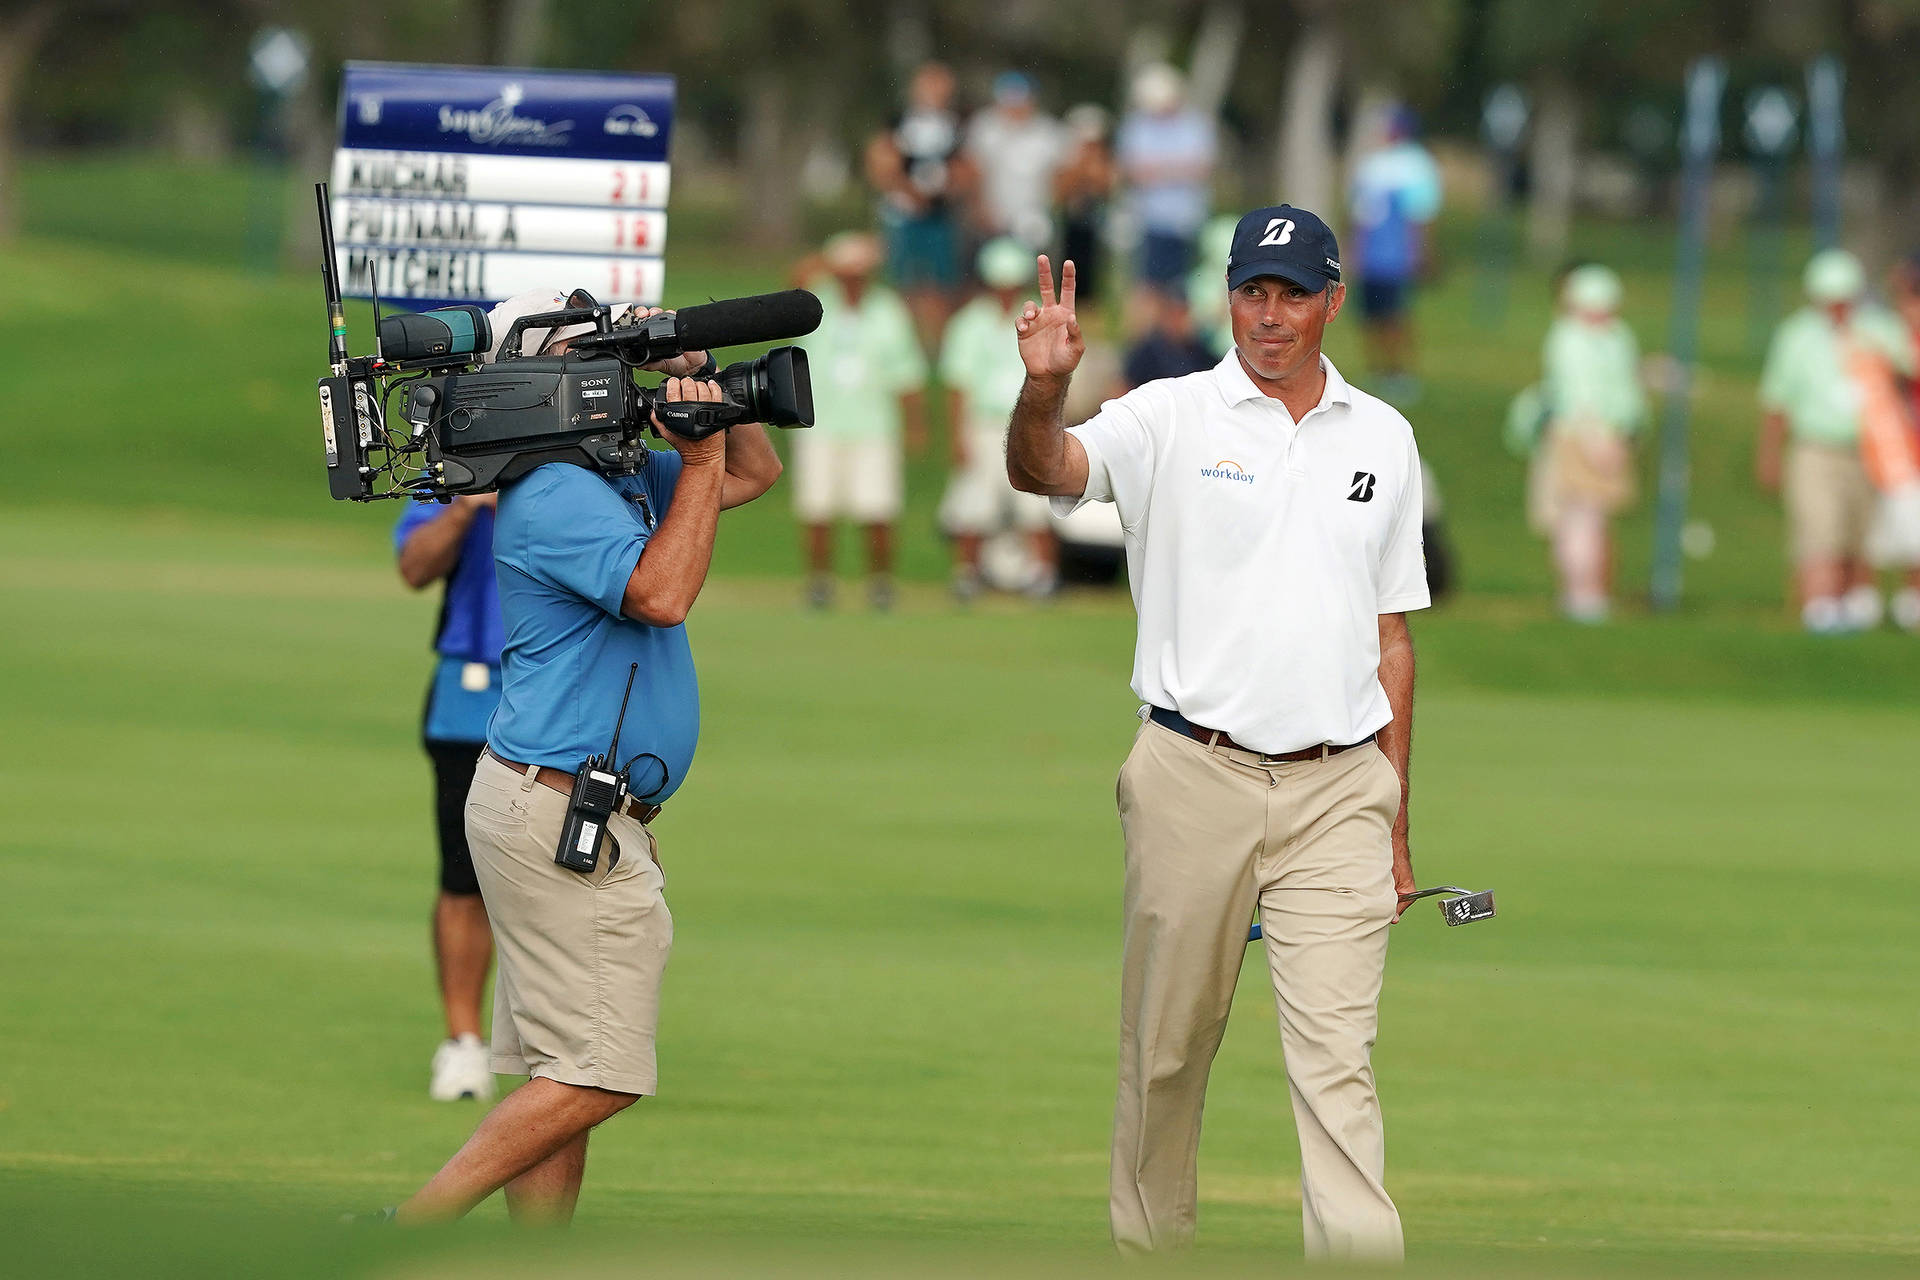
pixel 472 184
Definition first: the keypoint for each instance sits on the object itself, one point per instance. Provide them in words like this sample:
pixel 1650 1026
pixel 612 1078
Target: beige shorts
pixel 1829 502
pixel 577 994
pixel 859 480
pixel 981 500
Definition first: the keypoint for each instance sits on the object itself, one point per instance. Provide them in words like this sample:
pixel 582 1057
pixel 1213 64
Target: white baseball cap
pixel 1592 289
pixel 1834 275
pixel 531 303
pixel 1158 88
pixel 1003 262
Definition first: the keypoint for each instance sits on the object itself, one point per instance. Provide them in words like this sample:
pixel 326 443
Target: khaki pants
pixel 1211 835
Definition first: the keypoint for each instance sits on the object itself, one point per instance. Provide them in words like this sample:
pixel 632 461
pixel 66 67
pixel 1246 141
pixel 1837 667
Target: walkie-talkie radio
pixel 599 789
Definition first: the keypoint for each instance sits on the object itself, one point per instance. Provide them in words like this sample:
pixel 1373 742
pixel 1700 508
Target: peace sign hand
pixel 1050 341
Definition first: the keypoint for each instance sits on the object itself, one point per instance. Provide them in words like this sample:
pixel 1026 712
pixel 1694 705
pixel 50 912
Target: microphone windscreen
pixel 766 317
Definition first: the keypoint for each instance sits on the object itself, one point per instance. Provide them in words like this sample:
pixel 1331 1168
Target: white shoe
pixel 1906 609
pixel 461 1070
pixel 1823 616
pixel 1863 607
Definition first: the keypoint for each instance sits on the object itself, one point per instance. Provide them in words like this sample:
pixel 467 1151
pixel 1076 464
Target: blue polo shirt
pixel 469 635
pixel 564 545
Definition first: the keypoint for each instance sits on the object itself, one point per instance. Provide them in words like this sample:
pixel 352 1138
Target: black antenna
pixel 330 281
pixel 613 746
pixel 373 285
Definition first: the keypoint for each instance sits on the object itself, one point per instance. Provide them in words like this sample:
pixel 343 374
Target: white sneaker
pixel 1823 616
pixel 1906 609
pixel 461 1070
pixel 1863 607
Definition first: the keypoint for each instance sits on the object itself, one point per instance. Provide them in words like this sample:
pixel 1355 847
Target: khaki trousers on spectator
pixel 1211 835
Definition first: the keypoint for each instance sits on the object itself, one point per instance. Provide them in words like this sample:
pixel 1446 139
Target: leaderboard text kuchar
pixel 407 174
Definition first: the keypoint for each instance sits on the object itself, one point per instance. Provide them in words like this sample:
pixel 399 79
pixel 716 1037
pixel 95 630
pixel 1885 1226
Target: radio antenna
pixel 614 746
pixel 373 285
pixel 330 281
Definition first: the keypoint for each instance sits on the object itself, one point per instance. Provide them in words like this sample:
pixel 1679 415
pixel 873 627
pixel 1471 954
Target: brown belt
pixel 1213 737
pixel 562 782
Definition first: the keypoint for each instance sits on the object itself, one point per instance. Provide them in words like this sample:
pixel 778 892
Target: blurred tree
pixel 512 33
pixel 24 28
pixel 1579 62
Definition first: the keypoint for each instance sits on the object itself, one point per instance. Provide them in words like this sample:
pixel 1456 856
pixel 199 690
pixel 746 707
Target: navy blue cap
pixel 1286 242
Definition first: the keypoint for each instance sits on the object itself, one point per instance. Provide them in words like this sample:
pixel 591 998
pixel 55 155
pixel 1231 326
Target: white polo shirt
pixel 1261 551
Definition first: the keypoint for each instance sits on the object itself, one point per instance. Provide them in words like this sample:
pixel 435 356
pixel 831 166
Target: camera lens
pixel 776 388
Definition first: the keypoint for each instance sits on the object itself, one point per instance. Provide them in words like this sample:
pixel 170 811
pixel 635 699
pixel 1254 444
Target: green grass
pixel 1684 1048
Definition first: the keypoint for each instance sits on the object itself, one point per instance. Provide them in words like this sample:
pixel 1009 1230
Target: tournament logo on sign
pixel 497 123
pixel 627 119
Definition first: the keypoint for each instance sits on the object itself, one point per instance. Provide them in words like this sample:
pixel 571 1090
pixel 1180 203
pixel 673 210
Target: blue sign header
pixel 578 115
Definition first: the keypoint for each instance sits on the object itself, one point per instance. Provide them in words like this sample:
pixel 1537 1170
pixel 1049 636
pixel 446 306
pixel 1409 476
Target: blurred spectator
pixel 1081 189
pixel 1890 436
pixel 868 379
pixel 1171 347
pixel 1394 197
pixel 1016 150
pixel 1166 151
pixel 921 173
pixel 1206 291
pixel 981 367
pixel 453 544
pixel 1591 403
pixel 1811 397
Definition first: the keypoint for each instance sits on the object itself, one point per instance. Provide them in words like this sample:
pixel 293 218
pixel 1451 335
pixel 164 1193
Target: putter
pixel 1464 907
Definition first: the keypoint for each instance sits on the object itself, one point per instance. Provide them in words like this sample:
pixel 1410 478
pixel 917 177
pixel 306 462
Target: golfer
pixel 1272 517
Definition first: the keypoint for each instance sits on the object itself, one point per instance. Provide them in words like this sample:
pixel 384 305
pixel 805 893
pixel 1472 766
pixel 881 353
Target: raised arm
pixel 1041 456
pixel 752 465
pixel 673 565
pixel 1396 740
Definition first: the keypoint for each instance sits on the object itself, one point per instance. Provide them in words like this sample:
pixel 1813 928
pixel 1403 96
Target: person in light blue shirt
pixel 453 543
pixel 596 575
pixel 1166 150
pixel 1394 198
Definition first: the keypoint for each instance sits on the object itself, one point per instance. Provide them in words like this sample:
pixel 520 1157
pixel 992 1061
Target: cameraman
pixel 596 575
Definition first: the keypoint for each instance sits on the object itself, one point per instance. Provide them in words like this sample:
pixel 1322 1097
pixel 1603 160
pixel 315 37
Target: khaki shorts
pixel 859 480
pixel 1829 502
pixel 981 500
pixel 577 995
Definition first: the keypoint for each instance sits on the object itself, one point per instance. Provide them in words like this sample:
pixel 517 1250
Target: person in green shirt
pixel 869 380
pixel 1810 439
pixel 981 367
pixel 1592 403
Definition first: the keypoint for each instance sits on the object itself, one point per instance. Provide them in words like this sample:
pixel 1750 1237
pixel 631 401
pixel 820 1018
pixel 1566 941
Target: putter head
pixel 1467 909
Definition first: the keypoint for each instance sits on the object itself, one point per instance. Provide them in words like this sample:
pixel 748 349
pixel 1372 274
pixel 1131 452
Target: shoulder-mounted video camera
pixel 467 426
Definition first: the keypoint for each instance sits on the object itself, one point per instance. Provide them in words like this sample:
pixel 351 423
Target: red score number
pixel 630 187
pixel 631 233
pixel 627 279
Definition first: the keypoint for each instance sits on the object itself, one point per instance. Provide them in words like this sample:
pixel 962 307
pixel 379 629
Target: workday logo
pixel 1227 469
pixel 629 121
